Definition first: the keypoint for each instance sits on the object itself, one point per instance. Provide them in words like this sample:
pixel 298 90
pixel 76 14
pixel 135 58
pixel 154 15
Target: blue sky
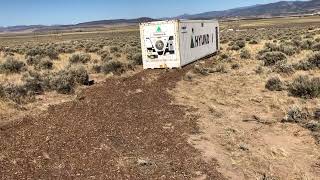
pixel 49 12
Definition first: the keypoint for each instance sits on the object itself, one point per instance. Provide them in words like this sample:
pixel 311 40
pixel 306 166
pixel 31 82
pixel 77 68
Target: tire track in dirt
pixel 126 128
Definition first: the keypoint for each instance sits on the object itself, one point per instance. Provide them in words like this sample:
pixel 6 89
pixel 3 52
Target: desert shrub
pixel 32 60
pixel 96 68
pixel 237 45
pixel 295 115
pixel 219 68
pixel 306 44
pixel 259 70
pixel 114 49
pixel 240 43
pixel 274 84
pixel 284 68
pixel 113 66
pixel 245 54
pixel 303 65
pixel 288 50
pixel 44 63
pixel 224 41
pixel 104 54
pixel 313 125
pixel 16 93
pixel 224 56
pixel 80 75
pixel 137 59
pixel 35 51
pixel 12 65
pixel 80 58
pixel 235 66
pixel 33 83
pixel 305 87
pixel 92 49
pixel 316 47
pixel 52 53
pixel 198 69
pixel 62 82
pixel 254 41
pixel 271 58
pixel 314 59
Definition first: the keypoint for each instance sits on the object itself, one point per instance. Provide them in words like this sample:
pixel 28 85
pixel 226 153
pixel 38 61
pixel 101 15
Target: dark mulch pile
pixel 125 128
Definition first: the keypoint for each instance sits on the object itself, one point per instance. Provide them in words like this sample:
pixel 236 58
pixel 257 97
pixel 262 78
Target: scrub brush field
pixel 79 106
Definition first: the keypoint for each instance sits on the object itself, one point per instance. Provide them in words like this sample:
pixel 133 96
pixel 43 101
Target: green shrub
pixel 16 93
pixel 271 58
pixel 62 82
pixel 113 66
pixel 80 58
pixel 314 59
pixel 44 63
pixel 114 49
pixel 241 43
pixel 137 59
pixel 284 68
pixel 316 47
pixel 307 44
pixel 288 50
pixel 34 83
pixel 12 65
pixel 245 54
pixel 80 75
pixel 32 60
pixel 303 65
pixel 52 53
pixel 274 84
pixel 254 41
pixel 305 87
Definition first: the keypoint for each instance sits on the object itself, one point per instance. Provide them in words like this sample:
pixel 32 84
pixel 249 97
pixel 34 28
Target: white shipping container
pixel 176 43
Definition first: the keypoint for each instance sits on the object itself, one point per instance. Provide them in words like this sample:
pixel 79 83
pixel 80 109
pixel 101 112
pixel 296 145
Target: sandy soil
pixel 240 126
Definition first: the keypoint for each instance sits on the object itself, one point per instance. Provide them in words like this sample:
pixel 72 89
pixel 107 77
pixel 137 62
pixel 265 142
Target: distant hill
pixel 281 8
pixel 116 21
pixel 92 24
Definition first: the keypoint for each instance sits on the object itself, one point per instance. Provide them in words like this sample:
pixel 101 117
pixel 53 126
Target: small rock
pixel 46 155
pixel 244 147
pixel 144 162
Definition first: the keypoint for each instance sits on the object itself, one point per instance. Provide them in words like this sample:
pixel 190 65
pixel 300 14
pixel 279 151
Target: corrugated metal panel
pixel 197 40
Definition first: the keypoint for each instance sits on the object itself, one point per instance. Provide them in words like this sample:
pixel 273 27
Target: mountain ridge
pixel 281 8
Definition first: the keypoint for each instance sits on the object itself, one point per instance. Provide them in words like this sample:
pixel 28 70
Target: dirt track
pixel 123 129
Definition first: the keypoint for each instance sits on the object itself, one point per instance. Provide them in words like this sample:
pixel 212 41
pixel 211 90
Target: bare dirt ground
pixel 126 128
pixel 240 125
